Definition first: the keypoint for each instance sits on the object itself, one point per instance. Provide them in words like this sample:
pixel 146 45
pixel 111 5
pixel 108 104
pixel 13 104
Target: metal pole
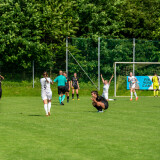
pixel 33 73
pixel 67 55
pixel 134 56
pixel 99 41
pixel 114 79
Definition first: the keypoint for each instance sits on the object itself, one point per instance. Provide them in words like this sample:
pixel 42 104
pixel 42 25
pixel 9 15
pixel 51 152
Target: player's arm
pixel 110 80
pixel 69 85
pixel 55 80
pixel 102 78
pixel 129 79
pixel 1 76
pixel 136 80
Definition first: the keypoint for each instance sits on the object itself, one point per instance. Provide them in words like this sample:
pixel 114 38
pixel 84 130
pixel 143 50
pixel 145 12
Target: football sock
pixel 154 93
pixel 63 97
pixel 67 98
pixel 135 94
pixel 72 96
pixel 77 96
pixel 45 108
pixel 49 106
pixel 157 93
pixel 60 99
pixel 131 94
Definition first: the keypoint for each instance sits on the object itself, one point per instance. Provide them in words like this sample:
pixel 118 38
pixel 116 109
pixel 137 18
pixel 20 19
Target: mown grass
pixel 75 131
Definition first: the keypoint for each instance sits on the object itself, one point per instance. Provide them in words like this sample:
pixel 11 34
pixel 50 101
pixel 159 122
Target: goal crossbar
pixel 115 64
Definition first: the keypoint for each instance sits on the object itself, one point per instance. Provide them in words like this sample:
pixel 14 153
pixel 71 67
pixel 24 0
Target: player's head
pixel 60 72
pixel 94 94
pixel 105 81
pixel 75 74
pixel 45 74
pixel 65 74
pixel 155 74
pixel 130 74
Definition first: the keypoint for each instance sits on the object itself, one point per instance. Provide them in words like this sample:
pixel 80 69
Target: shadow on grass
pixel 35 115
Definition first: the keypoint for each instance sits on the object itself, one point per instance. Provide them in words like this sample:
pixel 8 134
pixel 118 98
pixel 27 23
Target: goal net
pixel 144 71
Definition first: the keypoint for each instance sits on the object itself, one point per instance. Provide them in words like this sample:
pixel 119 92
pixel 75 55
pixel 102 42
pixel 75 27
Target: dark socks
pixel 77 96
pixel 72 96
pixel 67 98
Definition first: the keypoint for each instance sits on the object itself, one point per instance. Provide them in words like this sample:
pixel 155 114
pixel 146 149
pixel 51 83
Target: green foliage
pixel 36 30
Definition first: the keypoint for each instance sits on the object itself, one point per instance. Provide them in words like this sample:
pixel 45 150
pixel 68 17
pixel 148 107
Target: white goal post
pixel 115 64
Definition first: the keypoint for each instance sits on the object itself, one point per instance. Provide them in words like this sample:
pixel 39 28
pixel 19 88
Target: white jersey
pixel 45 86
pixel 105 91
pixel 46 92
pixel 132 81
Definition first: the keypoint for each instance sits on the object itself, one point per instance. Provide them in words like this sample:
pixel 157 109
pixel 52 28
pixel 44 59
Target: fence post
pixel 115 79
pixel 134 44
pixel 99 41
pixel 67 55
pixel 33 73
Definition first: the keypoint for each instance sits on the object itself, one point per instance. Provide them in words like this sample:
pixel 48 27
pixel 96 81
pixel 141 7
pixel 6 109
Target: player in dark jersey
pixel 67 86
pixel 1 78
pixel 75 86
pixel 99 102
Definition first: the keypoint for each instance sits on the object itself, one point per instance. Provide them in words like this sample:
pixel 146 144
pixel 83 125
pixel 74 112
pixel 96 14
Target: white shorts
pixel 133 86
pixel 46 95
pixel 105 95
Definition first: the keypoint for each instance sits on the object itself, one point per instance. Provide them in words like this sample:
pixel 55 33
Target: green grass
pixel 75 131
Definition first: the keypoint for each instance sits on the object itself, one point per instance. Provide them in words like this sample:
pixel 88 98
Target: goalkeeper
pixel 155 81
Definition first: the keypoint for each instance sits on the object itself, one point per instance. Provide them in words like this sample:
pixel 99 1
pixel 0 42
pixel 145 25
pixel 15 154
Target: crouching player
pixel 46 92
pixel 99 102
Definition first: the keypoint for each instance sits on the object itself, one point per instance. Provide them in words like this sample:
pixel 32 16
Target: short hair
pixel 95 92
pixel 45 73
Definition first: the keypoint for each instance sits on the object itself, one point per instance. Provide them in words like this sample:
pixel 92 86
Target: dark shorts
pixel 61 90
pixel 0 93
pixel 75 87
pixel 67 88
pixel 106 104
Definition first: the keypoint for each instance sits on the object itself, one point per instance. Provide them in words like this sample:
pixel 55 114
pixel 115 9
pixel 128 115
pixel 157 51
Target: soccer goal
pixel 144 71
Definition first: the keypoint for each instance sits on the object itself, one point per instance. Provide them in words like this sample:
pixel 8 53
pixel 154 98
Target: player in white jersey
pixel 46 92
pixel 106 88
pixel 132 79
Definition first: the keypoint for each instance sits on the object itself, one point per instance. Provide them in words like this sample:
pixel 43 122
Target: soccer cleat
pixel 73 99
pixel 136 98
pixel 100 111
pixel 78 99
pixel 62 103
pixel 131 99
pixel 67 101
pixel 46 115
pixel 49 113
pixel 156 95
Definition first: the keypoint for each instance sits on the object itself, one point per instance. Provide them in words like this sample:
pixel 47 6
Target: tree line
pixel 37 30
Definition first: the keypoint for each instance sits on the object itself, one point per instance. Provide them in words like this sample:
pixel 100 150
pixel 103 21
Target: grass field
pixel 75 131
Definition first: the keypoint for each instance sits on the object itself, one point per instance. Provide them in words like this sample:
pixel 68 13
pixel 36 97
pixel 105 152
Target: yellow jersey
pixel 155 79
